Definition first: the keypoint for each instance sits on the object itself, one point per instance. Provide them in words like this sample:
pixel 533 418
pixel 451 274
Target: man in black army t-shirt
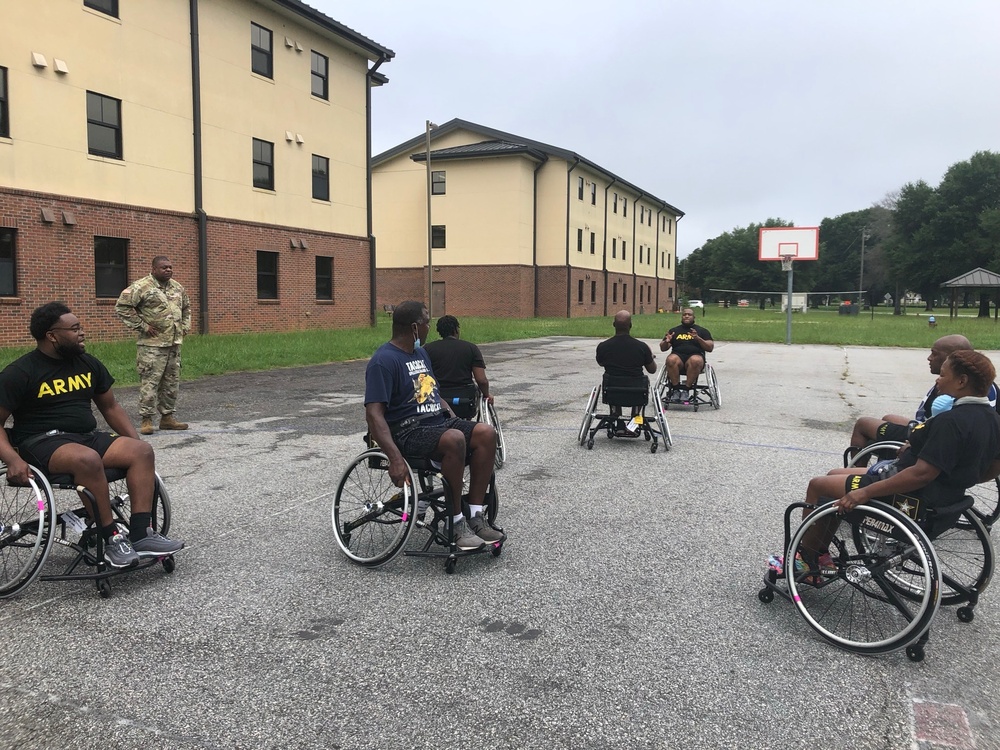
pixel 49 393
pixel 690 343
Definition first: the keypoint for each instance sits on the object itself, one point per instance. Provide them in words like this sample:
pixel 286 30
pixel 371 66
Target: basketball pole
pixel 786 265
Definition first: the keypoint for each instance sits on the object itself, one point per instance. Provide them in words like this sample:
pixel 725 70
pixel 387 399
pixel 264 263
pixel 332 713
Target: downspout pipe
pixel 569 268
pixel 604 259
pixel 199 193
pixel 534 232
pixel 372 314
pixel 635 243
pixel 656 264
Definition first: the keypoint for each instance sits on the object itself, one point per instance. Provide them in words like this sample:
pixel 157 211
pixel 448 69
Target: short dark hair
pixel 405 314
pixel 447 325
pixel 158 258
pixel 976 367
pixel 46 316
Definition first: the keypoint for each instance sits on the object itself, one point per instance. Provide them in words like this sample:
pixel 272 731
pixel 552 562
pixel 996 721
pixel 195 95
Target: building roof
pixel 975 277
pixel 373 49
pixel 504 143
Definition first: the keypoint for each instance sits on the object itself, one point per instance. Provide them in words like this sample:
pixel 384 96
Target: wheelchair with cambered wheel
pixel 30 526
pixel 707 390
pixel 620 393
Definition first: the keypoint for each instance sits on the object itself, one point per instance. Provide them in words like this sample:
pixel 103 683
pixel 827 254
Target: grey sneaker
pixel 464 538
pixel 156 545
pixel 481 528
pixel 119 553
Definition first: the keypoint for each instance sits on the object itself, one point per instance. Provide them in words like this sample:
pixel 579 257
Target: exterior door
pixel 437 300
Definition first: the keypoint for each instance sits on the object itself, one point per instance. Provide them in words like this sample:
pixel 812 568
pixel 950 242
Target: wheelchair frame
pixel 886 578
pixel 30 525
pixel 707 390
pixel 372 518
pixel 615 425
pixel 986 494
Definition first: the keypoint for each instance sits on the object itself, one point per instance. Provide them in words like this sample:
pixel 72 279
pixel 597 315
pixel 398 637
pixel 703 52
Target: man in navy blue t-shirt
pixel 406 417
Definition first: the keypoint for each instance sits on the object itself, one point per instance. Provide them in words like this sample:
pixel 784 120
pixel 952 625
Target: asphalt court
pixel 623 612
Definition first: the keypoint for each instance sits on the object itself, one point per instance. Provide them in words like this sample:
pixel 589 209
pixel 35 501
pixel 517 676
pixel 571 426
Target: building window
pixel 642 291
pixel 614 247
pixel 616 203
pixel 663 258
pixel 8 266
pixel 593 292
pixel 104 125
pixel 321 178
pixel 110 266
pixel 614 292
pixel 625 294
pixel 624 245
pixel 437 183
pixel 579 292
pixel 593 243
pixel 664 222
pixel 670 226
pixel 642 214
pixel 438 236
pixel 668 262
pixel 579 240
pixel 267 275
pixel 320 75
pixel 4 114
pixel 261 61
pixel 579 192
pixel 670 292
pixel 625 207
pixel 593 193
pixel 324 277
pixel 105 6
pixel 263 164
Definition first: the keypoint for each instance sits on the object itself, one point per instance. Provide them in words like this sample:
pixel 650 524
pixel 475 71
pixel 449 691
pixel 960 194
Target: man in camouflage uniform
pixel 158 309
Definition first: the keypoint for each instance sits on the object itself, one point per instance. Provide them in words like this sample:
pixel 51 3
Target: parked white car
pixel 693 303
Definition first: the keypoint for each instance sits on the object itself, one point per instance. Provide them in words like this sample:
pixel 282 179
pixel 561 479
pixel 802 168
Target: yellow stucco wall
pixel 143 60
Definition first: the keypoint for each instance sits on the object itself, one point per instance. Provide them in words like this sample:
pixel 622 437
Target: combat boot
pixel 146 428
pixel 167 422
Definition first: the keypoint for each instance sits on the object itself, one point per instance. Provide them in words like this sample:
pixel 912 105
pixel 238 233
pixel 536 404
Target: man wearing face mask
pixel 689 344
pixel 49 392
pixel 407 417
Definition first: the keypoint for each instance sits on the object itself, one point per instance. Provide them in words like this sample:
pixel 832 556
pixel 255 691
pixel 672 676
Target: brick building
pixel 231 135
pixel 519 228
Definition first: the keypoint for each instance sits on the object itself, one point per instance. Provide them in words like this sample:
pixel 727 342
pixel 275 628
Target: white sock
pixel 473 509
pixel 457 518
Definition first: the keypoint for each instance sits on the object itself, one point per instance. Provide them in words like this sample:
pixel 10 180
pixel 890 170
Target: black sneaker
pixel 156 545
pixel 118 553
pixel 481 527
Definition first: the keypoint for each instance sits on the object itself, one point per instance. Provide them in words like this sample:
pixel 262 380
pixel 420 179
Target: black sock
pixel 138 524
pixel 109 531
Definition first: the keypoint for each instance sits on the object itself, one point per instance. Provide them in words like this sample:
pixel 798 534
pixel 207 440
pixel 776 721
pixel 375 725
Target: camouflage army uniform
pixel 167 310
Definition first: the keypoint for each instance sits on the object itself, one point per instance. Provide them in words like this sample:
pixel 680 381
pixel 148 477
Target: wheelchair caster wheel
pixel 449 567
pixel 497 549
pixel 168 564
pixel 104 588
pixel 766 596
pixel 966 614
pixel 590 444
pixel 915 653
pixel 652 448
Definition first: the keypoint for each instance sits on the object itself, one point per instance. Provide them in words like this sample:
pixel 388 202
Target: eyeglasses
pixel 75 329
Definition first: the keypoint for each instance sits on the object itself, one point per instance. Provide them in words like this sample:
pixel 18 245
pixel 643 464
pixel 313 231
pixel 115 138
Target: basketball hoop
pixel 786 262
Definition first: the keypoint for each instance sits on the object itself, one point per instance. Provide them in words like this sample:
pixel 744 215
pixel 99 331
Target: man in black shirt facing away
pixel 459 368
pixel 625 356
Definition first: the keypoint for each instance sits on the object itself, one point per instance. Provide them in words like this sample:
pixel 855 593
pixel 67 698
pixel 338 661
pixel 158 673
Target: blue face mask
pixel 416 343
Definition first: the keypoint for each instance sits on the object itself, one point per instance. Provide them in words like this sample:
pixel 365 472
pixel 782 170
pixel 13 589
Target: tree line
pixel 914 239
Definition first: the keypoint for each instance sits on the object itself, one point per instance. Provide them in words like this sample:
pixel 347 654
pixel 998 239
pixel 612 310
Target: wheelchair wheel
pixel 122 507
pixel 492 419
pixel 883 587
pixel 965 556
pixel 714 394
pixel 871 454
pixel 492 504
pixel 664 428
pixel 588 415
pixel 987 496
pixel 27 517
pixel 372 517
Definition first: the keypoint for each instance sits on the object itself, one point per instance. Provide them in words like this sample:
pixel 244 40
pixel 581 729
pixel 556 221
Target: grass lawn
pixel 215 355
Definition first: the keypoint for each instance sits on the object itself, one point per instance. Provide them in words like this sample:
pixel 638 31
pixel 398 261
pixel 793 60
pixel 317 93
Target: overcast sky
pixel 734 111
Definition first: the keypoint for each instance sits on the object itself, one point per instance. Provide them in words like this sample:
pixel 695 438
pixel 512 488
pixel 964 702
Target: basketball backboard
pixel 797 243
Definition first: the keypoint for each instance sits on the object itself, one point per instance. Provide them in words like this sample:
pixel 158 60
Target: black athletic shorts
pixel 38 454
pixel 421 442
pixel 890 431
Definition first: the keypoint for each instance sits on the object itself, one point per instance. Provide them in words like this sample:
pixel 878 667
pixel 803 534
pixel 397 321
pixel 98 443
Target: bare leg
pixel 674 369
pixel 136 457
pixel 695 364
pixel 451 453
pixel 484 448
pixel 88 470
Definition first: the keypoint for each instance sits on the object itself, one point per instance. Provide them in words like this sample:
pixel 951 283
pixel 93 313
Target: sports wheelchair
pixel 619 392
pixel 469 403
pixel 373 518
pixel 30 525
pixel 706 392
pixel 986 494
pixel 879 585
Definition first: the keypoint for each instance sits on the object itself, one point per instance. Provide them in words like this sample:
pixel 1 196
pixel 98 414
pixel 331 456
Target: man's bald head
pixel 623 321
pixel 944 346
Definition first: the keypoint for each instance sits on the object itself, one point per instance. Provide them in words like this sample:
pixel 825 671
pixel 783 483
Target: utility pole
pixel 861 280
